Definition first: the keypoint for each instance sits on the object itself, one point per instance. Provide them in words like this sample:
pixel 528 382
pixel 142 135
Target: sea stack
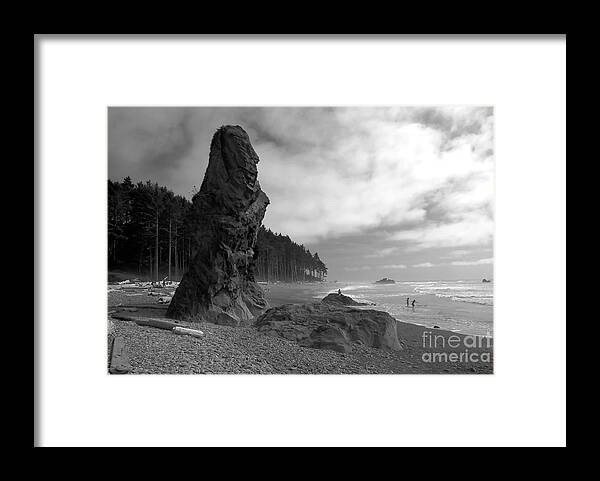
pixel 219 285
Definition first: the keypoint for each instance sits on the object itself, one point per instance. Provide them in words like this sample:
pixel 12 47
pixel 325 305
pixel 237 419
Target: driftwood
pixel 148 321
pixel 143 306
pixel 119 361
pixel 166 324
pixel 187 332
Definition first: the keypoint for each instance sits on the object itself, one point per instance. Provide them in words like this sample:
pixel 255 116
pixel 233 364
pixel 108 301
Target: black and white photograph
pixel 300 240
pixel 330 240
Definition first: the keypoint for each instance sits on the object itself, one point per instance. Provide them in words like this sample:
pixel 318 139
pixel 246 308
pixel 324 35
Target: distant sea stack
pixel 219 285
pixel 385 280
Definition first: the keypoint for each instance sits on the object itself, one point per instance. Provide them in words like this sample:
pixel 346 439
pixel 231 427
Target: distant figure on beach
pixel 413 303
pixel 407 299
pixel 339 292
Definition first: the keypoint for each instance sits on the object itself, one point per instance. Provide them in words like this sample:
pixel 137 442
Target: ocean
pixel 464 306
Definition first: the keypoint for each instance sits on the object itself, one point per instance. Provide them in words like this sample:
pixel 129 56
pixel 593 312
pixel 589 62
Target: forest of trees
pixel 147 230
pixel 151 232
pixel 279 258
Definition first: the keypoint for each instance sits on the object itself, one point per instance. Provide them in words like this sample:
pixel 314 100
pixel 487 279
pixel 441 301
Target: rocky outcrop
pixel 341 299
pixel 330 326
pixel 219 285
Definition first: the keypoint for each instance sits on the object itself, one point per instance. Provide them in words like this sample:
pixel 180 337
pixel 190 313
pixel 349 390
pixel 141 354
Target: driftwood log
pixel 142 306
pixel 184 331
pixel 119 361
pixel 149 321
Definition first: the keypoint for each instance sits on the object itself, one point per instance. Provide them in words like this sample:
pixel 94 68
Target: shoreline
pixel 291 293
pixel 243 350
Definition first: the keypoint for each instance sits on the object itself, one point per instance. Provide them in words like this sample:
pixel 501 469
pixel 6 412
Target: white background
pixel 523 403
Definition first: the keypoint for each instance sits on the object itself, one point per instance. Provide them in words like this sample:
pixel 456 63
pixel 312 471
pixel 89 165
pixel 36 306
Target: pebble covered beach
pixel 244 350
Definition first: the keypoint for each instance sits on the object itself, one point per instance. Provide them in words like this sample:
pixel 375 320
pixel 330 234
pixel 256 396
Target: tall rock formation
pixel 219 285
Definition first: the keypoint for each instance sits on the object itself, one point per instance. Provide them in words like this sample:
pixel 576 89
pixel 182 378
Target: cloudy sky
pixel 402 192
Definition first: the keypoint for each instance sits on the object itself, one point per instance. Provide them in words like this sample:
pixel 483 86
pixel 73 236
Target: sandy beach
pixel 243 350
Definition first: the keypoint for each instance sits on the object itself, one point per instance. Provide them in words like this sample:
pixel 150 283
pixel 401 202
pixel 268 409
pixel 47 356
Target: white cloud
pixel 375 168
pixel 472 230
pixel 383 252
pixel 455 253
pixel 394 266
pixel 424 264
pixel 478 262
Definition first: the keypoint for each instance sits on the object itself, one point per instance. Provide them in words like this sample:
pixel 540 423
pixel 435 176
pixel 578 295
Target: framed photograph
pixel 323 227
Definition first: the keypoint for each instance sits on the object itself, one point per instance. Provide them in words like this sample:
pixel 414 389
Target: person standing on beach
pixel 407 299
pixel 413 303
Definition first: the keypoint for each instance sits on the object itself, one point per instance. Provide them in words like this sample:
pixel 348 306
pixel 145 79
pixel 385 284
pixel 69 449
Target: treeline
pixel 149 229
pixel 279 258
pixel 151 232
